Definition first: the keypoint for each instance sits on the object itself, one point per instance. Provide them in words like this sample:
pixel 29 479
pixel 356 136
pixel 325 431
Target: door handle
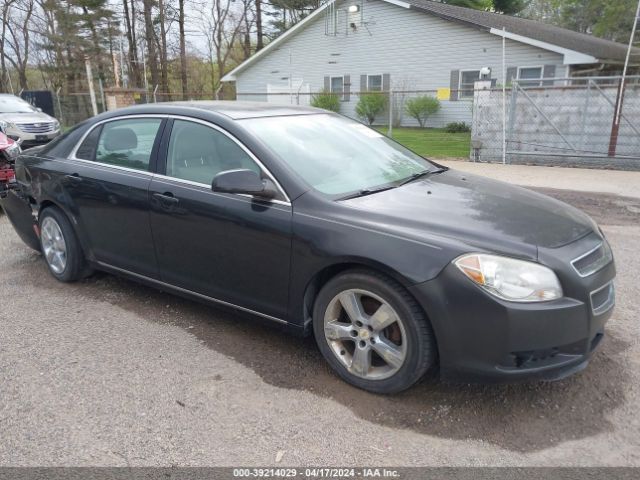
pixel 166 199
pixel 74 177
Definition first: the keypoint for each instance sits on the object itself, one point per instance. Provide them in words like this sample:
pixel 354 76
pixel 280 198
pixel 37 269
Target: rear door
pixel 108 181
pixel 232 248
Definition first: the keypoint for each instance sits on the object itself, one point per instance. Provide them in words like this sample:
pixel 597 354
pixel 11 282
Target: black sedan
pixel 315 222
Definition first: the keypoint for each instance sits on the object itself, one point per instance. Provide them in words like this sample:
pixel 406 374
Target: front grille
pixel 594 260
pixel 603 299
pixel 40 127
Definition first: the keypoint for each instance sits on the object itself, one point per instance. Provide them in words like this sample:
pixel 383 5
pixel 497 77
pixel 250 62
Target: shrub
pixel 457 127
pixel 421 107
pixel 326 100
pixel 371 105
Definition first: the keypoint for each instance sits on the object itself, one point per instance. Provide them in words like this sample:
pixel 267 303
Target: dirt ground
pixel 108 372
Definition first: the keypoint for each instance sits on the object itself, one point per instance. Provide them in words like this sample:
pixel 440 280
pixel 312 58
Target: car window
pixel 198 153
pixel 128 143
pixel 87 149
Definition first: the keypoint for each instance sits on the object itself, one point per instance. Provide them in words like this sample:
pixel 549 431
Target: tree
pixel 16 38
pixel 509 7
pixel 422 107
pixel 150 40
pixel 259 32
pixel 183 50
pixel 4 81
pixel 603 18
pixel 221 27
pixel 370 106
pixel 130 32
pixel 475 4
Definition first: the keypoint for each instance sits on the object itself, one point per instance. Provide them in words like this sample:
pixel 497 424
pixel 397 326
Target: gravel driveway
pixel 108 372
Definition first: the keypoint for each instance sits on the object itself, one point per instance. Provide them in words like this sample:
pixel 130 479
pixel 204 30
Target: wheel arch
pixel 84 243
pixel 325 274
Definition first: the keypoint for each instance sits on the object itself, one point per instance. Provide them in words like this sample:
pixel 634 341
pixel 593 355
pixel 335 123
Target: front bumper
pixel 31 139
pixel 482 338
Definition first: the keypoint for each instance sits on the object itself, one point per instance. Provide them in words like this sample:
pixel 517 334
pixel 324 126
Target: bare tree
pixel 222 27
pixel 183 51
pixel 259 31
pixel 130 32
pixel 4 83
pixel 164 63
pixel 150 38
pixel 17 38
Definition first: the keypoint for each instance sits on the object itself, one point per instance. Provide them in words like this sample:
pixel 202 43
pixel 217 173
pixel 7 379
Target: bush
pixel 371 105
pixel 457 127
pixel 421 107
pixel 326 100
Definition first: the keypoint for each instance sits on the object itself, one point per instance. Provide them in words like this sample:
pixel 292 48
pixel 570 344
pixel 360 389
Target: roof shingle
pixel 597 47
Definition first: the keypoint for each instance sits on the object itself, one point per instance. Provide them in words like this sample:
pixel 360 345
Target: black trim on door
pixel 163 150
pixel 155 151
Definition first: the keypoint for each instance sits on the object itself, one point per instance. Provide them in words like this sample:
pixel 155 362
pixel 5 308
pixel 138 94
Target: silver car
pixel 25 123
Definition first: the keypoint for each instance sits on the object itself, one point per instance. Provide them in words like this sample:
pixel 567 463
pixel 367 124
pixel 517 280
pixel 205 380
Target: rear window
pixel 128 143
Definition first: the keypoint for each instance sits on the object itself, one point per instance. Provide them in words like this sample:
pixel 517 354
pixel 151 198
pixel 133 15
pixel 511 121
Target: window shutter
pixel 549 71
pixel 454 85
pixel 327 84
pixel 347 87
pixel 386 82
pixel 512 73
pixel 363 83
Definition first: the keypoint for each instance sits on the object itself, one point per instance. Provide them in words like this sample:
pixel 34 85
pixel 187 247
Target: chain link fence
pixel 563 121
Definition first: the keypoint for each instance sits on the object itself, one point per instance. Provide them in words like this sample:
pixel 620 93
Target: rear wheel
pixel 372 332
pixel 60 246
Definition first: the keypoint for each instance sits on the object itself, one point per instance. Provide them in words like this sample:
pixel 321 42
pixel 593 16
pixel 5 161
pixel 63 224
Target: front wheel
pixel 372 332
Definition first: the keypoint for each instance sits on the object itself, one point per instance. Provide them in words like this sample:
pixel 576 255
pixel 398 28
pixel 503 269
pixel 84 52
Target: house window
pixel 467 82
pixel 337 86
pixel 530 76
pixel 374 83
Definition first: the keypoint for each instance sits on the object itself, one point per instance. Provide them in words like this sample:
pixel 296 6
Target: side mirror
pixel 39 109
pixel 243 181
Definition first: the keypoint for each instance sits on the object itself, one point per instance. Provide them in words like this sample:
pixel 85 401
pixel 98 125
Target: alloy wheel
pixel 365 334
pixel 53 245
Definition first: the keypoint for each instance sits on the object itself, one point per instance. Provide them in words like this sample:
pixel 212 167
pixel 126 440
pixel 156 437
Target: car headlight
pixel 5 124
pixel 511 279
pixel 56 125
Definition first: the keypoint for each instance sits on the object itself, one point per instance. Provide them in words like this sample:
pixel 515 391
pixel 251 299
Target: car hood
pixel 477 211
pixel 30 117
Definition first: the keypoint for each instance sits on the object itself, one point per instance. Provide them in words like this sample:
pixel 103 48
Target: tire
pixel 74 266
pixel 380 360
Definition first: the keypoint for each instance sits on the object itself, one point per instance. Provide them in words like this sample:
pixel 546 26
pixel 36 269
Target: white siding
pixel 418 50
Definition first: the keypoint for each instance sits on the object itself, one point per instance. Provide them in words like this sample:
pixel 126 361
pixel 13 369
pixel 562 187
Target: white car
pixel 25 123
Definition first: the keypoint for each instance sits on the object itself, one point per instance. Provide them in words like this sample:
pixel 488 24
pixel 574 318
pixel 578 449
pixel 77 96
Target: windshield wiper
pixel 366 191
pixel 418 175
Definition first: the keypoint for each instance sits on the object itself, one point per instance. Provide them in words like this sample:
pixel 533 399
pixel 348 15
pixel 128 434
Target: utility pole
pixel 617 114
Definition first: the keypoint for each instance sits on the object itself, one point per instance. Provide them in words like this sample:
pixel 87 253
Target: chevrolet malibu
pixel 307 219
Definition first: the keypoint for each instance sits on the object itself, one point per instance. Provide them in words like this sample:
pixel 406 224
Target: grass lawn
pixel 432 142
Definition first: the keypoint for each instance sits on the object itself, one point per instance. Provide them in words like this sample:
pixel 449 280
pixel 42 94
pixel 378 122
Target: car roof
pixel 235 110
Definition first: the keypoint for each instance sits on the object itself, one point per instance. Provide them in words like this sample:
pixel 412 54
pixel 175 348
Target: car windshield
pixel 11 104
pixel 338 156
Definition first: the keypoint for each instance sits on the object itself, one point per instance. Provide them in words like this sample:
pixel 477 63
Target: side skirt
pixel 183 292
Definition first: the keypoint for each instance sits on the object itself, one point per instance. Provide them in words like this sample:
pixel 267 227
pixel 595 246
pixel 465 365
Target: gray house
pixel 349 46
